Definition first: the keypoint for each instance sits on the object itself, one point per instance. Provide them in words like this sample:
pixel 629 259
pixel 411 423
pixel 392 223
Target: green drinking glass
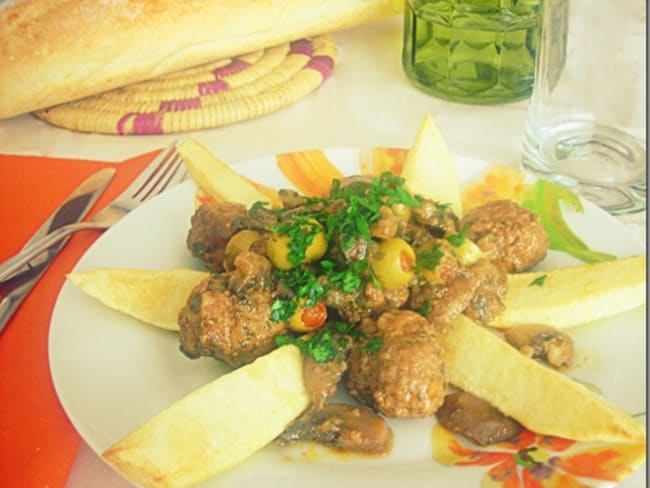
pixel 472 51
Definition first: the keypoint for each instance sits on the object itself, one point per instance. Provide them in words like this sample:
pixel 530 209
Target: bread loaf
pixel 55 51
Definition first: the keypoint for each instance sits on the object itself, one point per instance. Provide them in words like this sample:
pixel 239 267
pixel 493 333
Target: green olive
pixel 277 248
pixel 402 210
pixel 238 243
pixel 436 260
pixel 468 253
pixel 393 262
pixel 307 319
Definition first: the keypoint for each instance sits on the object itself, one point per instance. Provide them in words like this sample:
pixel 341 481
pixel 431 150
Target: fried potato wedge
pixel 153 296
pixel 217 426
pixel 540 398
pixel 567 297
pixel 575 295
pixel 221 181
pixel 429 169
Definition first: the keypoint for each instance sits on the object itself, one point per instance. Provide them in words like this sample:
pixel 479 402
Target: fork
pixel 165 170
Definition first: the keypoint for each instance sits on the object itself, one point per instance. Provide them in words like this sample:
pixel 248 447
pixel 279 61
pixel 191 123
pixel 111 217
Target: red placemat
pixel 38 443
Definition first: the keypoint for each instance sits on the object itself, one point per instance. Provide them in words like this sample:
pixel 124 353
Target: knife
pixel 74 208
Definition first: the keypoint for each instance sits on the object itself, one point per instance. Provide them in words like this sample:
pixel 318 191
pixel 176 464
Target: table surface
pixel 366 102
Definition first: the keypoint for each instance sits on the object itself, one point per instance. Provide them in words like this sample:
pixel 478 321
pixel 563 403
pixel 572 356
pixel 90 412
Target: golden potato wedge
pixel 220 180
pixel 574 295
pixel 429 169
pixel 153 296
pixel 217 426
pixel 540 398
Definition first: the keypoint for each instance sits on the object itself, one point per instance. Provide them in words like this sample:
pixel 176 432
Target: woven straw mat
pixel 210 95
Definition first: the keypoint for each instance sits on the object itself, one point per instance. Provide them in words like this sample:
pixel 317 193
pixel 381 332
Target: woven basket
pixel 211 95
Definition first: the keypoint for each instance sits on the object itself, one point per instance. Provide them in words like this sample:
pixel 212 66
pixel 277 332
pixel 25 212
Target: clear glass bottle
pixel 472 51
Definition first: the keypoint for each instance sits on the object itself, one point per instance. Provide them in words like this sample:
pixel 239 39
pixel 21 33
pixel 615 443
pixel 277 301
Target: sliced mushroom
pixel 542 342
pixel 471 417
pixel 342 426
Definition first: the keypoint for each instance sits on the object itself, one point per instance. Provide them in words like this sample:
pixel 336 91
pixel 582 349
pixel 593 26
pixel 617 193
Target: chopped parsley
pixel 539 281
pixel 349 279
pixel 425 309
pixel 282 310
pixel 458 240
pixel 330 342
pixel 372 345
pixel 429 258
pixel 360 207
pixel 324 345
pixel 301 231
pixel 346 216
pixel 256 206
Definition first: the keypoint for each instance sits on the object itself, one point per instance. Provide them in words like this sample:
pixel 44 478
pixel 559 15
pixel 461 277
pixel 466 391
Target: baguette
pixel 55 51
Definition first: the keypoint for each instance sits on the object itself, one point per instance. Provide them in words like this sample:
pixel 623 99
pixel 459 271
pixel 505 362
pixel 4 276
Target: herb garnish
pixel 256 206
pixel 301 231
pixel 373 345
pixel 346 216
pixel 539 281
pixel 429 258
pixel 425 309
pixel 349 279
pixel 325 344
pixel 331 342
pixel 457 240
pixel 362 204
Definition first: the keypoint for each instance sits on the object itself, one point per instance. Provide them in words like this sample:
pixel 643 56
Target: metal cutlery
pixel 164 171
pixel 74 208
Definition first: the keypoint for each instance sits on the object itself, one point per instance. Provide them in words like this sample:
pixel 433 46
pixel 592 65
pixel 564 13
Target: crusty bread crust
pixel 55 51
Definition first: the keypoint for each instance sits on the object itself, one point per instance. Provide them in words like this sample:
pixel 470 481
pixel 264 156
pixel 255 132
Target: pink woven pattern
pixel 222 92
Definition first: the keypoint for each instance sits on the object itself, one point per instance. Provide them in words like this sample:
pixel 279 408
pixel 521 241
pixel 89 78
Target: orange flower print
pixel 537 461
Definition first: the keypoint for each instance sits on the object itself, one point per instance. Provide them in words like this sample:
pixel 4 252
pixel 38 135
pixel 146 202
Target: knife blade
pixel 74 208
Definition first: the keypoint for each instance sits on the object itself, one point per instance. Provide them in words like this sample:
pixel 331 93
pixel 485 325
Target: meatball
pixel 404 378
pixel 507 233
pixel 228 316
pixel 213 224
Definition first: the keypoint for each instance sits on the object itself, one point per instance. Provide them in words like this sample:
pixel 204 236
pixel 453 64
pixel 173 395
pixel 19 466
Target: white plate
pixel 112 373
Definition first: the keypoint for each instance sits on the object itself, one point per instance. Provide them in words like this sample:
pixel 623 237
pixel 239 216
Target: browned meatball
pixel 213 224
pixel 228 316
pixel 508 233
pixel 405 377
